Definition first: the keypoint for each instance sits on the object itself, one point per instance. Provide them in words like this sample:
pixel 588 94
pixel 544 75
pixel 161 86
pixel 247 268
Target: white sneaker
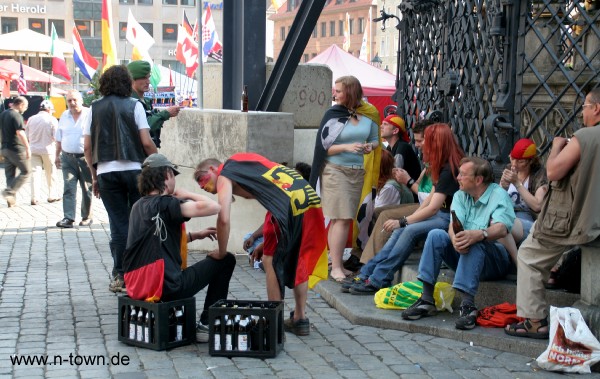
pixel 201 332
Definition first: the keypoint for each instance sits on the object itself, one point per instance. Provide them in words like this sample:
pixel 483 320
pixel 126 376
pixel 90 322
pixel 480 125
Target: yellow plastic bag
pixel 443 294
pixel 403 295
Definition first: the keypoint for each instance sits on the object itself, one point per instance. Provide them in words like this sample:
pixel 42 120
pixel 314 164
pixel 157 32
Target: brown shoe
pixel 86 222
pixel 34 202
pixel 50 200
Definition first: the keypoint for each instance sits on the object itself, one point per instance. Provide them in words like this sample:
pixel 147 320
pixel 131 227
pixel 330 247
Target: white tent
pixel 28 42
pixel 184 86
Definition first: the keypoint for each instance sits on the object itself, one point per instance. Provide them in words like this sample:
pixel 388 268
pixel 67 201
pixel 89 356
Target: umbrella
pixel 28 42
pixel 10 67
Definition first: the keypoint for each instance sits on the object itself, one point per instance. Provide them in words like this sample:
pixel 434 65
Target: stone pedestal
pixel 589 305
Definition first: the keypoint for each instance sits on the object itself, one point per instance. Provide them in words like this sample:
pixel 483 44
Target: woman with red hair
pixel 443 155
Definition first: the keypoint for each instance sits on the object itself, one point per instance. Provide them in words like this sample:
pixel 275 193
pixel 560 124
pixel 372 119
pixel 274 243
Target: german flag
pixel 301 254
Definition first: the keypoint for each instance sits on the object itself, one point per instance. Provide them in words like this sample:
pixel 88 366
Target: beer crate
pixel 161 331
pixel 264 332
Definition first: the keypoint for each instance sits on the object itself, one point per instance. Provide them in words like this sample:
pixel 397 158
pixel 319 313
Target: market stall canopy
pixel 28 42
pixel 374 81
pixel 11 68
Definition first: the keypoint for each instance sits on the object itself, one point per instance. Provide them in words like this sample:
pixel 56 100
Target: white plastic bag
pixel 572 346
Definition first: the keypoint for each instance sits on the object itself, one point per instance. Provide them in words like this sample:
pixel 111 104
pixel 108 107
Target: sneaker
pixel 65 223
pixel 10 198
pixel 86 222
pixel 202 332
pixel 349 282
pixel 420 308
pixel 364 288
pixel 54 200
pixel 117 284
pixel 299 327
pixel 468 316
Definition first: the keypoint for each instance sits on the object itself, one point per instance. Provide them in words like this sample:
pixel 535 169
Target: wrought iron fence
pixel 498 70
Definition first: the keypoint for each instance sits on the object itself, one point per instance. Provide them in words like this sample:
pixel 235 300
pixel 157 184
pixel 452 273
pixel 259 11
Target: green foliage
pixel 93 93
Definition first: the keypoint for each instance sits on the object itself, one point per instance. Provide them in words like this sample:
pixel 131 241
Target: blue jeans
pixel 484 261
pixel 527 222
pixel 381 268
pixel 74 171
pixel 118 191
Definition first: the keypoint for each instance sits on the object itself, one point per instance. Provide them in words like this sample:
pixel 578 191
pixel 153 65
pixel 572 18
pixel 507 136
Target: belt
pixel 81 155
pixel 353 166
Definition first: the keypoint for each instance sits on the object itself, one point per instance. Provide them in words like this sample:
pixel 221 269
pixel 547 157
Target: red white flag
pixel 59 66
pixel 187 48
pixel 22 84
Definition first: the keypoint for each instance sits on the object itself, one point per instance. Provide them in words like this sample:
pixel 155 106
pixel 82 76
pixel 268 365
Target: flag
pixel 195 31
pixel 170 77
pixel 346 45
pixel 187 50
pixel 86 63
pixel 109 49
pixel 364 47
pixel 139 38
pixel 59 66
pixel 21 84
pixel 211 46
pixel 277 4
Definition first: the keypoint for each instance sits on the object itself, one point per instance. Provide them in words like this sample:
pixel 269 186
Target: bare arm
pixel 563 157
pixel 224 195
pixel 199 206
pixel 465 239
pixel 87 152
pixel 23 138
pixel 57 162
pixel 147 143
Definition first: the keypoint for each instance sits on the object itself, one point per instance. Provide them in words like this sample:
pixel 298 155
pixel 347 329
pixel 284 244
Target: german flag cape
pixel 301 253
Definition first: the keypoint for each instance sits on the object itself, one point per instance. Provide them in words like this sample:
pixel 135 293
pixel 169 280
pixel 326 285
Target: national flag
pixel 86 63
pixel 364 47
pixel 139 38
pixel 186 24
pixel 59 66
pixel 109 47
pixel 170 77
pixel 187 49
pixel 195 34
pixel 301 253
pixel 211 46
pixel 21 84
pixel 346 45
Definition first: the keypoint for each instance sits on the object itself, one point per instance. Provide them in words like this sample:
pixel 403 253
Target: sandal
pixel 525 329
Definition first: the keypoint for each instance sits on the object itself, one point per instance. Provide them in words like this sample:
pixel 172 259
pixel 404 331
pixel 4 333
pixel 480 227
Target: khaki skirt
pixel 341 188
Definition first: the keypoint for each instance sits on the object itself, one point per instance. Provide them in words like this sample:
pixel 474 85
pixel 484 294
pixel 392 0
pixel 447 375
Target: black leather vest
pixel 115 135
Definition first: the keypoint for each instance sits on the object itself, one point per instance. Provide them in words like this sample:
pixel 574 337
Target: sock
pixel 427 294
pixel 467 299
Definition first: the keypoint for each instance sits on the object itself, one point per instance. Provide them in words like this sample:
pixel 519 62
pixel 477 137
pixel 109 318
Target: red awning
pixel 11 68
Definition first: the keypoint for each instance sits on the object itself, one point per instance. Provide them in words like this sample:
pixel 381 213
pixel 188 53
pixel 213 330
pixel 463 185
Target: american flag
pixel 22 84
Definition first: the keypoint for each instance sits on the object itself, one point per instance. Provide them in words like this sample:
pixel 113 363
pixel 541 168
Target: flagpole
pixel 200 75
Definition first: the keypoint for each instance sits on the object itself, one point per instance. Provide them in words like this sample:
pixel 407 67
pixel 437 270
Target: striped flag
pixel 346 44
pixel 22 84
pixel 109 49
pixel 187 49
pixel 86 63
pixel 59 66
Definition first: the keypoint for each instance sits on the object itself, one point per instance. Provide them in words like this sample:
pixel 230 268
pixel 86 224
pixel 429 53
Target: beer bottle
pixel 229 333
pixel 132 322
pixel 139 334
pixel 457 226
pixel 172 325
pixel 266 335
pixel 179 324
pixel 148 337
pixel 245 99
pixel 242 340
pixel 217 334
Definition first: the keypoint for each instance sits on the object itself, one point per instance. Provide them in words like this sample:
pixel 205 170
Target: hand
pixel 401 175
pixel 257 254
pixel 463 240
pixel 510 176
pixel 367 148
pixel 356 148
pixel 559 143
pixel 96 188
pixel 390 225
pixel 174 110
pixel 248 243
pixel 58 163
pixel 210 233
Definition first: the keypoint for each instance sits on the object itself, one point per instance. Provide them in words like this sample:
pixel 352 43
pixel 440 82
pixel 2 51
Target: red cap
pixel 524 149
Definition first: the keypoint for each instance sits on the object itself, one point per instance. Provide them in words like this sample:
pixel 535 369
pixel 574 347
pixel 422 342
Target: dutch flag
pixel 86 63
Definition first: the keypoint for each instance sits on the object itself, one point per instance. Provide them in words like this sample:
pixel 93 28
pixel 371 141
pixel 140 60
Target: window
pixel 382 48
pixel 361 25
pixel 340 28
pixel 339 1
pixel 127 2
pixel 314 34
pixel 149 27
pixel 83 27
pixel 169 32
pixel 122 30
pixel 98 28
pixel 9 24
pixel 305 58
pixel 323 29
pixel 282 33
pixel 37 25
pixel 59 25
pixel 314 55
pixel 191 3
pixel 331 28
pixel 169 2
pixel 351 26
pixel 145 2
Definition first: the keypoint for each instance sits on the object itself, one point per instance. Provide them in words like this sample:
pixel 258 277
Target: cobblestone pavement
pixel 54 300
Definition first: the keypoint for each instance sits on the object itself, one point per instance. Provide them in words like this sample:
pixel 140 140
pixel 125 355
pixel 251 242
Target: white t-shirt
pixel 120 165
pixel 515 196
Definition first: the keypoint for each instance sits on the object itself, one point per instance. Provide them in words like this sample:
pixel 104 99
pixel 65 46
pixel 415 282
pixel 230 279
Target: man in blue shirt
pixel 486 213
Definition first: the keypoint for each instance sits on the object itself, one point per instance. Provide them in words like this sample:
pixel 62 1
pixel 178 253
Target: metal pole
pixel 233 47
pixel 200 74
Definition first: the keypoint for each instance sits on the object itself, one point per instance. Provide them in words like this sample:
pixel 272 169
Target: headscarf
pixel 398 122
pixel 524 149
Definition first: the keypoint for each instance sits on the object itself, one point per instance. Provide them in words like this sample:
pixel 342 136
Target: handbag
pixel 572 346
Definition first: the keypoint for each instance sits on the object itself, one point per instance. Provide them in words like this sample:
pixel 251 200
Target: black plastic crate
pixel 264 332
pixel 161 331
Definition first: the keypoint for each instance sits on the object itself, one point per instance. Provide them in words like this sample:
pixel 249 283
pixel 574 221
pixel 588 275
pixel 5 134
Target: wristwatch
pixel 485 234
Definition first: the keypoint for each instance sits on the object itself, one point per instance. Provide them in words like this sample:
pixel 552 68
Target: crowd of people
pixel 362 166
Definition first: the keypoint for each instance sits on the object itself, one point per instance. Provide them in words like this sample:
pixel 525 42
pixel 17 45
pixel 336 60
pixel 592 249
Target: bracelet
pixel 410 182
pixel 190 236
pixel 403 221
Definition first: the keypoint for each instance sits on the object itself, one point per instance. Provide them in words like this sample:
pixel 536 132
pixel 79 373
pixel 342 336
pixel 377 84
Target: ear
pixel 396 131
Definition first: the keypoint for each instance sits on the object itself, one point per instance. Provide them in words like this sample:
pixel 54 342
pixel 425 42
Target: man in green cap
pixel 140 72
